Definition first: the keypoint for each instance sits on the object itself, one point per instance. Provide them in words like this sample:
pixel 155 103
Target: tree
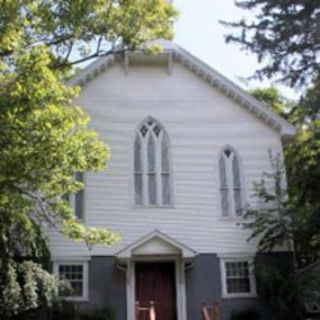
pixel 272 223
pixel 45 139
pixel 283 33
pixel 271 97
pixel 303 168
pixel 277 223
pixel 77 30
pixel 302 158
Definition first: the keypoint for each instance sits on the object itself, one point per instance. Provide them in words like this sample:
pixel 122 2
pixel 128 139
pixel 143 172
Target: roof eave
pixel 213 77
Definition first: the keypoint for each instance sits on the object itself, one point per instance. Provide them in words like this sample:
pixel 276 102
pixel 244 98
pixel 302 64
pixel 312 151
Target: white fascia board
pixel 126 253
pixel 216 79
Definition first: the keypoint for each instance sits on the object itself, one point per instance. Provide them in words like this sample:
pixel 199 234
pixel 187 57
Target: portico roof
pixel 156 244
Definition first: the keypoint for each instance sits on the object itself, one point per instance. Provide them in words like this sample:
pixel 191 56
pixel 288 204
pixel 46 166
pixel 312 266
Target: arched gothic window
pixel 152 185
pixel 231 187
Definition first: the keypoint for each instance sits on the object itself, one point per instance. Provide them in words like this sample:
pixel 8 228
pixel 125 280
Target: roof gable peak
pixel 174 52
pixel 156 243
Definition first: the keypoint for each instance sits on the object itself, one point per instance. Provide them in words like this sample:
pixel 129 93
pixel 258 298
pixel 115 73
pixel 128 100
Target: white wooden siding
pixel 200 121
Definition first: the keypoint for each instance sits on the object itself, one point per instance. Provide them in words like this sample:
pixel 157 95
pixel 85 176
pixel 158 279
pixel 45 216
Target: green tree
pixel 273 222
pixel 45 139
pixel 285 35
pixel 303 171
pixel 77 30
pixel 302 161
pixel 277 223
pixel 271 97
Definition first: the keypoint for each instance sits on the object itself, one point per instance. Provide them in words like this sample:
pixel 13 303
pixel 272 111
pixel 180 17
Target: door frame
pixel 179 282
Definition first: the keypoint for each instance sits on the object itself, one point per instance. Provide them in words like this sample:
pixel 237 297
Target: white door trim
pixel 180 286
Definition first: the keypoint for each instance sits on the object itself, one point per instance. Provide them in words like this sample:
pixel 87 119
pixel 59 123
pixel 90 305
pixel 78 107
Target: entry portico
pixel 149 263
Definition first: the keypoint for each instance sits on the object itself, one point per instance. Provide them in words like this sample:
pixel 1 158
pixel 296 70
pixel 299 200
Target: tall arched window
pixel 230 183
pixel 152 185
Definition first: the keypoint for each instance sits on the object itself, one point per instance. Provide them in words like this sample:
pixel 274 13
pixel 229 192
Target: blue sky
pixel 198 30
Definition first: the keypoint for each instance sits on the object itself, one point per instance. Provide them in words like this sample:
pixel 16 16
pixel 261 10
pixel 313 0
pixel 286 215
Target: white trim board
pixel 85 279
pixel 179 281
pixel 156 246
pixel 252 281
pixel 166 245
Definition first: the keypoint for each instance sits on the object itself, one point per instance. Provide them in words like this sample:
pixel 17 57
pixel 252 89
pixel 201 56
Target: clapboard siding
pixel 200 121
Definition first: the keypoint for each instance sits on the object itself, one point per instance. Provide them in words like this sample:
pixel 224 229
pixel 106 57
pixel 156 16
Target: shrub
pixel 96 314
pixel 248 314
pixel 62 311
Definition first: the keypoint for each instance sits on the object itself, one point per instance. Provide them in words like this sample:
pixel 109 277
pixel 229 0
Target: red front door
pixel 156 282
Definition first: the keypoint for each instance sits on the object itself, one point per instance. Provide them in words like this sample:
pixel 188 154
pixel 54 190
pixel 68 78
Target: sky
pixel 198 30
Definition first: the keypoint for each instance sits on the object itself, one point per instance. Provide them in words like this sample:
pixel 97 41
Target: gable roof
pixel 174 52
pixel 155 243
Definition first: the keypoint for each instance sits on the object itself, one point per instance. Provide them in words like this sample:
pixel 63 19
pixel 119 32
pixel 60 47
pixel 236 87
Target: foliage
pixel 96 314
pixel 27 287
pixel 279 290
pixel 60 309
pixel 272 222
pixel 247 314
pixel 276 225
pixel 45 139
pixel 285 34
pixel 302 160
pixel 65 310
pixel 271 97
pixel 309 104
pixel 77 30
pixel 286 291
pixel 292 218
pixel 303 166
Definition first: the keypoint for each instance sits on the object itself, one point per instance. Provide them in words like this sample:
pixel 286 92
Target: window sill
pixel 232 219
pixel 239 296
pixel 153 207
pixel 76 299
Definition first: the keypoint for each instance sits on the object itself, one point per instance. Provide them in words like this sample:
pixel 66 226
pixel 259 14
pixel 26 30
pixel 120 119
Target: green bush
pixel 65 310
pixel 248 314
pixel 96 314
pixel 62 311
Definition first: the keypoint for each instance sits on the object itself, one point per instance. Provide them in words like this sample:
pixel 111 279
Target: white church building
pixel 187 144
